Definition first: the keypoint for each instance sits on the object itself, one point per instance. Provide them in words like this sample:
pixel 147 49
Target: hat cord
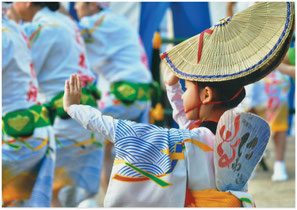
pixel 198 105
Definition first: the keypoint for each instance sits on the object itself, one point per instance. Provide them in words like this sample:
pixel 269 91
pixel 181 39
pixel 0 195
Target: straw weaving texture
pixel 237 46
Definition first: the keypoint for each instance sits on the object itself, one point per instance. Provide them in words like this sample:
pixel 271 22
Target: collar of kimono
pixel 210 124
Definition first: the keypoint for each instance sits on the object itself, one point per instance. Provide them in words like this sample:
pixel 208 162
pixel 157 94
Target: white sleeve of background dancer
pixel 174 94
pixel 92 119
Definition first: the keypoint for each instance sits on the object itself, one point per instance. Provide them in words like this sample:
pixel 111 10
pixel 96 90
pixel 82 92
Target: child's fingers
pixel 78 83
pixel 75 88
pixel 67 88
pixel 71 83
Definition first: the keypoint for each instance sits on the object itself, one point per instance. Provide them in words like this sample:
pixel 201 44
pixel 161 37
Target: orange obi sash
pixel 211 198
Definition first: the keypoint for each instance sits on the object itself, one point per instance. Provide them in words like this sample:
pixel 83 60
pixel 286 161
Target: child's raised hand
pixel 72 92
pixel 169 78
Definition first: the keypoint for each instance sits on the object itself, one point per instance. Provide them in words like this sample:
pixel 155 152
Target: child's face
pixel 190 99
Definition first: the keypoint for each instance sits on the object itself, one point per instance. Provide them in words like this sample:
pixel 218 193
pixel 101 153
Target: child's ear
pixel 207 95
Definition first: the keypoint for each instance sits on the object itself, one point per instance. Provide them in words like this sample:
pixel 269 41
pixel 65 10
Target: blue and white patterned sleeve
pixel 150 163
pixel 147 147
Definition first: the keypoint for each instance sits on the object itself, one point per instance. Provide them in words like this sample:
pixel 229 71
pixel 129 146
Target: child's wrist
pixel 70 108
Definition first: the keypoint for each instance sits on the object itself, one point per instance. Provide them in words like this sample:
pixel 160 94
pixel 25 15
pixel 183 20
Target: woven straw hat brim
pixel 245 47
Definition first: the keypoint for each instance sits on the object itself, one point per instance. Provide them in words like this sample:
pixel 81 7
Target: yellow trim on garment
pixel 199 144
pixel 41 145
pixel 174 156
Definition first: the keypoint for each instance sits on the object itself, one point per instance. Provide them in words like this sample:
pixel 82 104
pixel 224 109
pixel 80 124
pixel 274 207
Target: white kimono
pixel 27 165
pixel 116 54
pixel 58 51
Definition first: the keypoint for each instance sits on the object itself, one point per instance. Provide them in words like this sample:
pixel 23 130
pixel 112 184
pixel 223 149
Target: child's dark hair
pixel 225 91
pixel 53 6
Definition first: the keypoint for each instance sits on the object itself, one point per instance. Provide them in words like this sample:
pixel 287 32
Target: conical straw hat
pixel 244 47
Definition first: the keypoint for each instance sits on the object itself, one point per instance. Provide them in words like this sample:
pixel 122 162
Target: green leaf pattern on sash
pixel 126 90
pixel 18 122
pixel 129 92
pixel 21 123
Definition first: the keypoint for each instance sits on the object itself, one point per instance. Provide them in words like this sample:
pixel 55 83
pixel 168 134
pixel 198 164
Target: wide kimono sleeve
pixel 149 169
pixel 174 94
